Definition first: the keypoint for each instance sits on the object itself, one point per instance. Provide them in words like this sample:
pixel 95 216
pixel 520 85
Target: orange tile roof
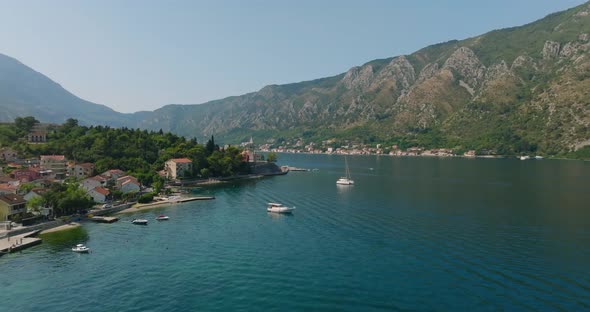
pixel 181 160
pixel 54 157
pixel 102 190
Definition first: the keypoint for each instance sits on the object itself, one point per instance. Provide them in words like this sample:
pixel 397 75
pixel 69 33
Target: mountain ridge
pixel 511 90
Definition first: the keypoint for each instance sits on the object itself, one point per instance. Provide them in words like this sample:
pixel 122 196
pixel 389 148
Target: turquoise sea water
pixel 424 234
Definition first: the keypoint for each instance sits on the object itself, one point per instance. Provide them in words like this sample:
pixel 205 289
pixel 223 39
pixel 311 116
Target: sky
pixel 141 55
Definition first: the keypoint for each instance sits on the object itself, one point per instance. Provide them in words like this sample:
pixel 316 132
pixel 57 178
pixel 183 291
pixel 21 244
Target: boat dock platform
pixel 104 219
pixel 18 242
pixel 188 199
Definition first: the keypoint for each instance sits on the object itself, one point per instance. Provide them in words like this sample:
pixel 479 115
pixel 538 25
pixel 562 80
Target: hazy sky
pixel 141 55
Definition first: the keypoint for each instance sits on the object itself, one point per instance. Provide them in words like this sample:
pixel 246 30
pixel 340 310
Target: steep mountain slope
pixel 512 90
pixel 516 89
pixel 25 92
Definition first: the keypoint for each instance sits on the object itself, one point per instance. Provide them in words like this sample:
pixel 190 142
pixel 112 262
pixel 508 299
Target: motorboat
pixel 162 218
pixel 346 180
pixel 524 157
pixel 279 208
pixel 538 157
pixel 81 248
pixel 140 221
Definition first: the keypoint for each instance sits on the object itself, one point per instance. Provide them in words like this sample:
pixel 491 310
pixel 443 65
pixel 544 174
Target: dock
pixel 188 199
pixel 18 242
pixel 101 219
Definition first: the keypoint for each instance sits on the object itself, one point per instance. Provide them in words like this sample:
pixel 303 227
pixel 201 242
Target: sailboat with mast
pixel 346 180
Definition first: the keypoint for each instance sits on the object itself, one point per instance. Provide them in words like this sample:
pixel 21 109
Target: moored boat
pixel 162 218
pixel 140 221
pixel 346 180
pixel 81 248
pixel 279 208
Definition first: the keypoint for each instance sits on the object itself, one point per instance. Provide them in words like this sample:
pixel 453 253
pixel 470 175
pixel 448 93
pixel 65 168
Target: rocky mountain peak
pixel 400 70
pixel 498 70
pixel 465 63
pixel 358 77
pixel 428 71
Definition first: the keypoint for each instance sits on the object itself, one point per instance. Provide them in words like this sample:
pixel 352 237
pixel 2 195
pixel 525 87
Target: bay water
pixel 418 234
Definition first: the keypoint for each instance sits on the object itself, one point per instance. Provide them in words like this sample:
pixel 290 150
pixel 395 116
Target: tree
pixel 271 157
pixel 25 124
pixel 26 187
pixel 211 147
pixel 35 203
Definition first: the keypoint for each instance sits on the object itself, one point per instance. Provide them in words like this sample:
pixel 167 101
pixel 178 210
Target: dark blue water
pixel 412 234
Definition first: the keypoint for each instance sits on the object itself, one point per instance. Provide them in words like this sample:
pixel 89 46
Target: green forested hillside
pixel 139 152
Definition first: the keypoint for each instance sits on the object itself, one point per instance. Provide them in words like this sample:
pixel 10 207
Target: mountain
pixel 521 89
pixel 25 92
pixel 517 89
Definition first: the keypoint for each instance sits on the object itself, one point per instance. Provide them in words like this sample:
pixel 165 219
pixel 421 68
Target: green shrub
pixel 145 198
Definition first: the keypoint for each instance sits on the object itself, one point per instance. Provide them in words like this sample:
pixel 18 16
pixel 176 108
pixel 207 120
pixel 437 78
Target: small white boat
pixel 524 157
pixel 81 248
pixel 162 218
pixel 347 180
pixel 538 157
pixel 140 221
pixel 279 208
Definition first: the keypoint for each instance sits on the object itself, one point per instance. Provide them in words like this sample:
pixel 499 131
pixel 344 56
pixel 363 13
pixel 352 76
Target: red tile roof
pixel 118 171
pixel 54 157
pixel 125 178
pixel 12 199
pixel 130 181
pixel 102 190
pixel 181 160
pixel 98 178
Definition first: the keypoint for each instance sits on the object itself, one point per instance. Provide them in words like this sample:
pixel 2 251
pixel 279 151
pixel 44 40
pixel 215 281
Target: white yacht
pixel 346 180
pixel 279 208
pixel 524 157
pixel 162 218
pixel 140 221
pixel 81 248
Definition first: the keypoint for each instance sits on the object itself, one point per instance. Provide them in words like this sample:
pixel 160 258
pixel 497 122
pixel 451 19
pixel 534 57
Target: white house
pixel 113 174
pixel 99 194
pixel 93 182
pixel 130 186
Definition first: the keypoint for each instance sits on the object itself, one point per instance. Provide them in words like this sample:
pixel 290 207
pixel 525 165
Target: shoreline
pixel 65 227
pixel 152 205
pixel 433 156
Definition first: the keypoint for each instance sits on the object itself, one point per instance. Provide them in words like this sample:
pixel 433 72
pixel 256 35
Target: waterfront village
pixel 328 147
pixel 24 212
